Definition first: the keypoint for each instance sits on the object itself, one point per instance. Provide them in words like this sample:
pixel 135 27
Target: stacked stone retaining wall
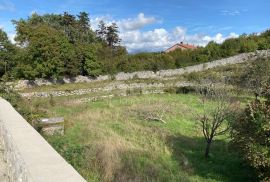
pixel 150 74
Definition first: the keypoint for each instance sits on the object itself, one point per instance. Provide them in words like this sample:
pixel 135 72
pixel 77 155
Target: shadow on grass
pixel 222 165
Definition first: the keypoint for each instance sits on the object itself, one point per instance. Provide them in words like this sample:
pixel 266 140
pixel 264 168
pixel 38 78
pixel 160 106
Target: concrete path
pixel 3 165
pixel 30 157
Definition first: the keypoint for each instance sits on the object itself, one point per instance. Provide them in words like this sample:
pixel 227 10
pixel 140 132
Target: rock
pixel 23 84
pixel 51 126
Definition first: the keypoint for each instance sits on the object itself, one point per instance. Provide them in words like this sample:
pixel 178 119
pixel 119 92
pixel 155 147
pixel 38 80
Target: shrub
pixel 135 91
pixel 251 133
pixel 25 109
pixel 170 90
pixel 195 76
pixel 185 90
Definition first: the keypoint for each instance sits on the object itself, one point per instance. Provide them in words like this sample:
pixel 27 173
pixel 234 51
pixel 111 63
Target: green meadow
pixel 114 140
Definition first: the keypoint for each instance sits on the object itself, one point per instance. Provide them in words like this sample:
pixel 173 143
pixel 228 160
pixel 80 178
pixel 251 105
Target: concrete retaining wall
pixel 30 158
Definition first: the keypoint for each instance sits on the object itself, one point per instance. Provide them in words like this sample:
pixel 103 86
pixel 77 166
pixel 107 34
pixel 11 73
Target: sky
pixel 154 25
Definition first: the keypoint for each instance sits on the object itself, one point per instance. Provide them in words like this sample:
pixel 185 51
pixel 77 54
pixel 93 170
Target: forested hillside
pixel 57 45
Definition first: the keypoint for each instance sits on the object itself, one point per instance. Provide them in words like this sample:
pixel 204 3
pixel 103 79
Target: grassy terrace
pixel 217 74
pixel 111 140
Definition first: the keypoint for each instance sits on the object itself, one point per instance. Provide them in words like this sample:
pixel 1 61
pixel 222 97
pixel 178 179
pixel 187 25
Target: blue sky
pixel 154 25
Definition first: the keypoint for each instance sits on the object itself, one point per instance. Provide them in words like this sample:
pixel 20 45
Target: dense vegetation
pixel 56 45
pixel 251 135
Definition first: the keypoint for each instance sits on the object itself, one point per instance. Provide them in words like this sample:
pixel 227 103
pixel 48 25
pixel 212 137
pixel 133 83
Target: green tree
pixel 230 47
pixel 101 31
pixel 213 50
pixel 84 21
pixel 7 53
pixel 91 65
pixel 112 35
pixel 86 34
pixel 47 54
pixel 248 45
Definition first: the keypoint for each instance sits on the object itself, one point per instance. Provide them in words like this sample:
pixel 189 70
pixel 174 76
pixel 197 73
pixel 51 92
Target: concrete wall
pixel 30 158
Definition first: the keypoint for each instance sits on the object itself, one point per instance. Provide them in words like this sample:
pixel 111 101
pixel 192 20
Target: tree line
pixel 57 45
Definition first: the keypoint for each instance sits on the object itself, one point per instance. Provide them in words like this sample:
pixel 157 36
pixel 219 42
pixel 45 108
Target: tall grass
pixel 111 140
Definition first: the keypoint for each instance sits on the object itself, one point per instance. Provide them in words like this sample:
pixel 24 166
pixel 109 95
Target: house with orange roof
pixel 181 46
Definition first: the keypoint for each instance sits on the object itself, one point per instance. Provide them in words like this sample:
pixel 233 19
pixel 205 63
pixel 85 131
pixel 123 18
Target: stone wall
pixel 123 87
pixel 149 74
pixel 30 158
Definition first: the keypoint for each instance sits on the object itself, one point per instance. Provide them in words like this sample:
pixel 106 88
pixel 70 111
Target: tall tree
pixel 84 21
pixel 48 54
pixel 112 36
pixel 101 31
pixel 85 33
pixel 69 23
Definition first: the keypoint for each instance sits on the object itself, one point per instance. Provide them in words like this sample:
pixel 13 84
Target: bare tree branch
pixel 213 118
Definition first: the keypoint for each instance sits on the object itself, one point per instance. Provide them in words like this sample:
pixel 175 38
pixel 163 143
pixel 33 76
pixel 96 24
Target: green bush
pixel 251 135
pixel 170 90
pixel 69 146
pixel 25 109
pixel 195 76
pixel 185 90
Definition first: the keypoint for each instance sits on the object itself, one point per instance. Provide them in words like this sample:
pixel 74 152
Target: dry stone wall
pixel 108 89
pixel 150 74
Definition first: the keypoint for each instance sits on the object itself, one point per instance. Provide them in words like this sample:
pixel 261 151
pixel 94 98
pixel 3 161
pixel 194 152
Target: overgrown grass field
pixel 114 140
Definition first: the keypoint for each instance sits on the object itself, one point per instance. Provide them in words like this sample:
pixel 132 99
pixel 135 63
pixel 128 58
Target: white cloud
pixel 145 41
pixel 95 21
pixel 129 24
pixel 7 6
pixel 136 23
pixel 227 12
pixel 11 37
pixel 179 32
pixel 161 39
